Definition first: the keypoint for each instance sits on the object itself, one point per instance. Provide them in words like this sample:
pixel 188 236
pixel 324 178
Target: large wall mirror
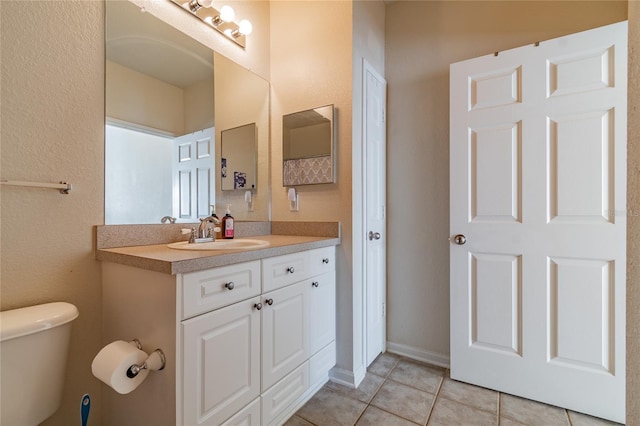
pixel 307 147
pixel 169 102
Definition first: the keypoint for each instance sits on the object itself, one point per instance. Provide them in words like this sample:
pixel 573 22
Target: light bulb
pixel 228 33
pixel 205 3
pixel 245 27
pixel 227 14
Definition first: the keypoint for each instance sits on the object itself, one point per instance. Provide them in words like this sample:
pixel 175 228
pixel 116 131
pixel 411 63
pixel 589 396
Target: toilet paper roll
pixel 113 361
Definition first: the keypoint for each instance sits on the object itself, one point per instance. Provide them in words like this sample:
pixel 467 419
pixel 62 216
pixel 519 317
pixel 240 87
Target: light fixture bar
pixel 214 19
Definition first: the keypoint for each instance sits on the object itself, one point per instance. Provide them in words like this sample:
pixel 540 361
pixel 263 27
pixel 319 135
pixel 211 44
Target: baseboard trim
pixel 419 354
pixel 347 378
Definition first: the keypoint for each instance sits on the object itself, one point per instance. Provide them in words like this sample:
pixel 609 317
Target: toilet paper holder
pixel 155 361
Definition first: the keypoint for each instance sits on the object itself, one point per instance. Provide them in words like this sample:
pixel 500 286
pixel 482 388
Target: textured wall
pixel 429 36
pixel 311 67
pixel 52 129
pixel 633 219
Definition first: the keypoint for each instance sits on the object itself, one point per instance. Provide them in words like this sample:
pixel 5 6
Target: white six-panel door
pixel 538 190
pixel 193 174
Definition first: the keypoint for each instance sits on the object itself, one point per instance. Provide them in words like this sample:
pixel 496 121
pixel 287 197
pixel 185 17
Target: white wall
pixel 422 39
pixel 138 187
pixel 137 98
pixel 311 67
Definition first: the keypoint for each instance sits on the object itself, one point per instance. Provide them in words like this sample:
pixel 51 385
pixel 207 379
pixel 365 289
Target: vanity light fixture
pixel 222 21
pixel 195 5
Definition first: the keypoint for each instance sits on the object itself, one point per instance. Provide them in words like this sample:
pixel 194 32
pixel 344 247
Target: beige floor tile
pixel 383 364
pixel 447 412
pixel 330 408
pixel 404 401
pixel 485 399
pixel 376 417
pixel 505 421
pixel 418 375
pixel 579 419
pixel 364 392
pixel 297 421
pixel 531 412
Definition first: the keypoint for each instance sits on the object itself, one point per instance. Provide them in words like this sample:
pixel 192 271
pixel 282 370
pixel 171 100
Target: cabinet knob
pixel 290 270
pixel 269 302
pixel 325 260
pixel 315 284
pixel 258 306
pixel 230 285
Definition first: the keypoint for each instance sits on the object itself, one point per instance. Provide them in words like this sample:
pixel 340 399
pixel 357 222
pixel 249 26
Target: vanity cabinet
pixel 247 343
pixel 253 336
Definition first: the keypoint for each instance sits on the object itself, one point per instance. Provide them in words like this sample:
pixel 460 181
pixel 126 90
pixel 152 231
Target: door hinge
pixel 384 309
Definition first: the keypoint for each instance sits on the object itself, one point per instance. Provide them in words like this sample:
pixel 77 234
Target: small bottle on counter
pixel 217 228
pixel 227 224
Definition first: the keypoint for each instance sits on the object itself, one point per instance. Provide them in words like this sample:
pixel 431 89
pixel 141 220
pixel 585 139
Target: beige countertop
pixel 160 258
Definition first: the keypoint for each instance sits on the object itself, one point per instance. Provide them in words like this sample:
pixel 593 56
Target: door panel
pixel 496 290
pixel 495 191
pixel 581 314
pixel 538 187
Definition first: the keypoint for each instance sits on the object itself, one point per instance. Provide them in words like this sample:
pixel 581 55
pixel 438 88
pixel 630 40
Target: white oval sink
pixel 239 244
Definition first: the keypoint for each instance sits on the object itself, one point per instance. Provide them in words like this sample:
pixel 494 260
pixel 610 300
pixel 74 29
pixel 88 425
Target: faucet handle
pixel 192 231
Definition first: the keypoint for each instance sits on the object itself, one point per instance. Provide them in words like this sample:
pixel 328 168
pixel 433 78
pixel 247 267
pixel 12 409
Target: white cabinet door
pixel 322 311
pixel 221 363
pixel 285 331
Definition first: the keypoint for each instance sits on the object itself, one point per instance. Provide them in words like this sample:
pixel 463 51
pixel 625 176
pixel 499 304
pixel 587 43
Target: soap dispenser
pixel 217 228
pixel 227 224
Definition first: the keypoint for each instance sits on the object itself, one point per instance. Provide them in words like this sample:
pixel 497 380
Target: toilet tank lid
pixel 32 319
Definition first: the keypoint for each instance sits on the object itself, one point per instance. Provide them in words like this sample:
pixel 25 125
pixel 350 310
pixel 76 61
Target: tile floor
pixel 400 392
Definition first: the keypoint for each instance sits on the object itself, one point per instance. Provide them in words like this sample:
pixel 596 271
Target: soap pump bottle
pixel 227 224
pixel 217 228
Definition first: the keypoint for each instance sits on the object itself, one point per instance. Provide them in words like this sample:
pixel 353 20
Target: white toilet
pixel 33 357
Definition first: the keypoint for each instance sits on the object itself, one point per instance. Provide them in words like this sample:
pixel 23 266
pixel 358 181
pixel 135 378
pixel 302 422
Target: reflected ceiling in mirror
pixel 308 147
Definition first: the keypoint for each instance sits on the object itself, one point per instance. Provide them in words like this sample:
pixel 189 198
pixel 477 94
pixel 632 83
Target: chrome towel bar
pixel 64 187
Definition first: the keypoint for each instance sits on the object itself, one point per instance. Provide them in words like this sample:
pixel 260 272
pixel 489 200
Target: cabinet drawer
pixel 248 416
pixel 322 260
pixel 281 271
pixel 284 393
pixel 204 291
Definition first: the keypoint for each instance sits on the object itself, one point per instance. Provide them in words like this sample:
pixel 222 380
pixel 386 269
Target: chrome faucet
pixel 169 219
pixel 203 234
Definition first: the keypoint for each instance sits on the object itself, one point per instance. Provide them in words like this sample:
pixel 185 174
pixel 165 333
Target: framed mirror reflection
pixel 308 147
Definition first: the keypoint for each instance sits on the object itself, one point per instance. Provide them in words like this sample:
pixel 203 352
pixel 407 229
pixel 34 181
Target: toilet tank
pixel 33 357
